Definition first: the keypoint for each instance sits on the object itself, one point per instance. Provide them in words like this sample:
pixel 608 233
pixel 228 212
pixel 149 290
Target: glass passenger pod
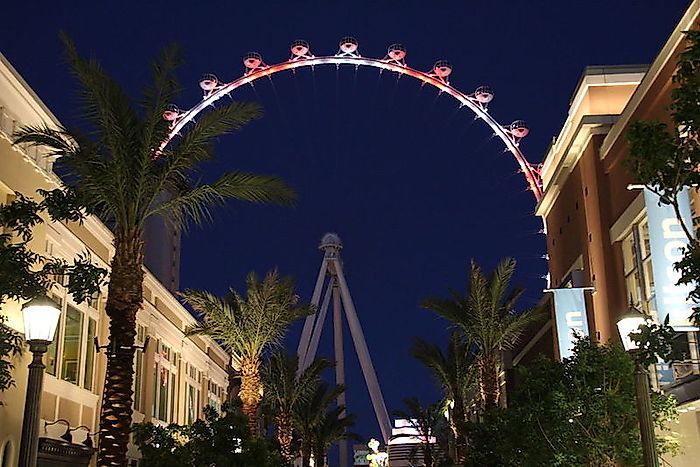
pixel 348 46
pixel 483 95
pixel 397 53
pixel 252 61
pixel 208 82
pixel 299 49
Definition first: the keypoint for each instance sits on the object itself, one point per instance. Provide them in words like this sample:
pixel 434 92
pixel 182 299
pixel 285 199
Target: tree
pixel 580 412
pixel 666 160
pixel 248 326
pixel 25 274
pixel 486 314
pixel 285 387
pixel 331 428
pixel 455 372
pixel 10 346
pixel 115 169
pixel 218 440
pixel 429 424
pixel 309 415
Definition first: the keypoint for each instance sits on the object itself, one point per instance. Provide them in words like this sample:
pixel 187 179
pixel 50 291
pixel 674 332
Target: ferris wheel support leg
pixel 318 326
pixel 358 339
pixel 309 323
pixel 339 362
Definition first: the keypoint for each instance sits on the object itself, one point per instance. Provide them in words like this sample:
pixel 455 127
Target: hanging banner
pixel 667 240
pixel 571 319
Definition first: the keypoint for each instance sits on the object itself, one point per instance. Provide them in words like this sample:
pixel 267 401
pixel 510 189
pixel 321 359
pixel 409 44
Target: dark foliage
pixel 218 440
pixel 581 412
pixel 25 274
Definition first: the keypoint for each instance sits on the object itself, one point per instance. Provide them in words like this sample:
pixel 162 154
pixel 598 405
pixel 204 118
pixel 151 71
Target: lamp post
pixel 627 326
pixel 40 319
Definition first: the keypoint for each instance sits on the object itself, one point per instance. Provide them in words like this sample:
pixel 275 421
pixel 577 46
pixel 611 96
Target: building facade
pixel 603 230
pixel 175 376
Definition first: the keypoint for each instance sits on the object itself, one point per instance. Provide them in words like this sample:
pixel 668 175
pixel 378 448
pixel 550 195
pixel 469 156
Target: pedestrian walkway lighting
pixel 41 316
pixel 629 325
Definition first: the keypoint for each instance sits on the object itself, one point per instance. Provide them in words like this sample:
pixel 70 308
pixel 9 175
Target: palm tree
pixel 309 415
pixel 428 426
pixel 112 165
pixel 285 388
pixel 331 428
pixel 248 326
pixel 487 316
pixel 455 372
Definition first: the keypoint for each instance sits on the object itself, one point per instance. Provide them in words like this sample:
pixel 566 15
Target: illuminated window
pixel 193 379
pixel 636 260
pixel 71 355
pixel 52 352
pixel 138 366
pixel 90 354
pixel 164 374
pixel 72 344
pixel 214 395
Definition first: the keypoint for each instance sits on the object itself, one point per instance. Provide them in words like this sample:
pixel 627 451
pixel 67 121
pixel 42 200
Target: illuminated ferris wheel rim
pixel 394 61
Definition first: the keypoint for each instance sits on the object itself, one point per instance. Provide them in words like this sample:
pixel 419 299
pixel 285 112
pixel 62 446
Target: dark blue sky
pixel 414 187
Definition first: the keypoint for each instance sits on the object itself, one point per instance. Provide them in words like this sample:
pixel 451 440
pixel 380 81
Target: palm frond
pixel 192 204
pixel 249 325
pixel 163 90
pixel 105 104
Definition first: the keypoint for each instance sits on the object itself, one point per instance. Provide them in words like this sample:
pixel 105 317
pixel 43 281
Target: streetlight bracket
pixel 113 347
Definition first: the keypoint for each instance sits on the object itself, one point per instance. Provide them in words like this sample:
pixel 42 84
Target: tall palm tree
pixel 455 372
pixel 248 326
pixel 285 388
pixel 428 422
pixel 113 167
pixel 486 314
pixel 309 415
pixel 331 428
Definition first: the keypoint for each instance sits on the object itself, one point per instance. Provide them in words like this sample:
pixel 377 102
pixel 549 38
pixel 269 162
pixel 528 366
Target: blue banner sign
pixel 571 319
pixel 667 240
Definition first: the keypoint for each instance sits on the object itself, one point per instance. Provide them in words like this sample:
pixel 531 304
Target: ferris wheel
pixel 254 68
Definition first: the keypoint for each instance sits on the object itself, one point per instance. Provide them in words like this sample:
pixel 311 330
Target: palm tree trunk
pixel 488 380
pixel 124 300
pixel 305 454
pixel 319 458
pixel 457 425
pixel 284 436
pixel 251 392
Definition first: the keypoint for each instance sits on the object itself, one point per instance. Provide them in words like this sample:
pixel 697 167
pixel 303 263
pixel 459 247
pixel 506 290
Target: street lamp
pixel 40 319
pixel 628 325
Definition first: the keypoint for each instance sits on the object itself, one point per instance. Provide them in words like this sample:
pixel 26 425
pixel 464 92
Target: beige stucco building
pixel 175 376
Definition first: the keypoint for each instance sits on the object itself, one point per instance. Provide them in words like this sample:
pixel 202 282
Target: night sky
pixel 414 186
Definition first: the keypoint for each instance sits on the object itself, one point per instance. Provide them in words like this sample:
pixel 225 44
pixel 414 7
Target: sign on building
pixel 666 243
pixel 360 452
pixel 571 319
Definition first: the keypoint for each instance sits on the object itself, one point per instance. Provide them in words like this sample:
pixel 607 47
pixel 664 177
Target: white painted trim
pixel 589 126
pixel 659 63
pixel 624 223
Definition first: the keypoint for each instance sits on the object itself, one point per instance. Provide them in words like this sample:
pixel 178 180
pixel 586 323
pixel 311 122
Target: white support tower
pixel 336 290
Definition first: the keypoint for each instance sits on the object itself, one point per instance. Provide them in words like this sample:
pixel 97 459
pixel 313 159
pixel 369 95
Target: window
pixel 72 344
pixel 164 376
pixel 194 378
pixel 138 366
pixel 215 393
pixel 71 355
pixel 90 354
pixel 52 352
pixel 636 258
